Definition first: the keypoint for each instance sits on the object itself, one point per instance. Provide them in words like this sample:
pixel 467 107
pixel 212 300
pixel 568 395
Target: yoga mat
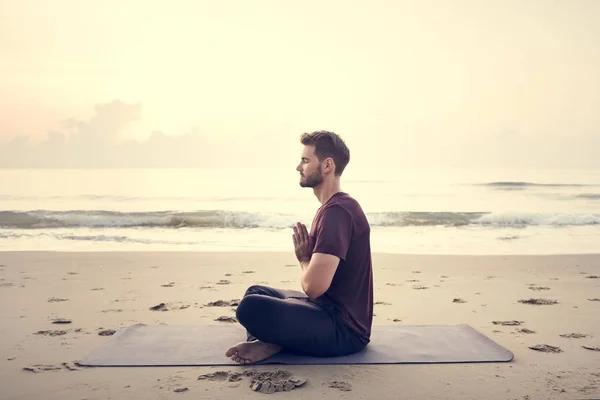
pixel 205 345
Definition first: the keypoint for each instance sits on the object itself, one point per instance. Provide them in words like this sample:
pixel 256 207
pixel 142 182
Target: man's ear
pixel 329 165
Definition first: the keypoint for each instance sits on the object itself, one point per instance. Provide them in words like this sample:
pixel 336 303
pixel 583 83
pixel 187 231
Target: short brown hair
pixel 328 144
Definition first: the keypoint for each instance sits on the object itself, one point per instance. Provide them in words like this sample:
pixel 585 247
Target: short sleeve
pixel 334 232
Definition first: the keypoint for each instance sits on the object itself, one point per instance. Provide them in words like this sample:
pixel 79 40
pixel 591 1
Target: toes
pixel 231 351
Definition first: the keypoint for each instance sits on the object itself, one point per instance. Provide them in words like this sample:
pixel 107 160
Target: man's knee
pixel 256 289
pixel 248 309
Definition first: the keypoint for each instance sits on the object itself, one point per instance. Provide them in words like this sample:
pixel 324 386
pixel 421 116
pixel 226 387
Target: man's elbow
pixel 313 290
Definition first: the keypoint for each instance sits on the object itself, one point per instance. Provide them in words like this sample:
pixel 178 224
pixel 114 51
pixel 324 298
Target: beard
pixel 312 180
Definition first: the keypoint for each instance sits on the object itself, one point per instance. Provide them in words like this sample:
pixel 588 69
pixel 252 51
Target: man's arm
pixel 318 273
pixel 331 246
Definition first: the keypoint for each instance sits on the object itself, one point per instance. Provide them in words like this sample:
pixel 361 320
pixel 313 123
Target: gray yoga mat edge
pixel 204 345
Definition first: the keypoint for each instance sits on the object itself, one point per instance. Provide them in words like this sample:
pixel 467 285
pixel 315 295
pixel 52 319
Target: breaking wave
pixel 46 219
pixel 508 185
pixel 589 196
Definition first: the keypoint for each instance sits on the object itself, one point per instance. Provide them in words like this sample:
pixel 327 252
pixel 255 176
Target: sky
pixel 234 83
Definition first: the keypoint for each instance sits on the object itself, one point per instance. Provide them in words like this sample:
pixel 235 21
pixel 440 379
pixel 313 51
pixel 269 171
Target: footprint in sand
pixel 458 300
pixel 383 303
pixel 159 307
pixel 507 323
pixel 595 299
pixel 419 287
pixel 170 284
pixel 52 332
pixel 56 300
pixel 538 302
pixel 37 368
pixel 545 348
pixel 525 330
pixel 593 348
pixel 223 303
pixel 217 376
pixel 593 277
pixel 172 306
pixel 340 385
pixel 61 321
pixel 223 282
pixel 534 287
pixel 270 382
pixel 574 335
pixel 247 272
pixel 226 319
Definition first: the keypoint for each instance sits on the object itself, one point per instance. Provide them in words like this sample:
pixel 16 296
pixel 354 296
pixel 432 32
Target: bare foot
pixel 251 352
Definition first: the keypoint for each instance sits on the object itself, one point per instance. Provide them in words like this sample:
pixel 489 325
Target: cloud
pixel 96 144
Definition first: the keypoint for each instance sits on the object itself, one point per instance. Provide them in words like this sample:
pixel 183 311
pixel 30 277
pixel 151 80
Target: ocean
pixel 419 211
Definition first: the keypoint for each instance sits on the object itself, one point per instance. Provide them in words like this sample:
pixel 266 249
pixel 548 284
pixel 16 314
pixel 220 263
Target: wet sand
pixel 57 307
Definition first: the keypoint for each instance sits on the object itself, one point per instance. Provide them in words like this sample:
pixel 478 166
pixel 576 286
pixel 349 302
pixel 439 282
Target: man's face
pixel 309 168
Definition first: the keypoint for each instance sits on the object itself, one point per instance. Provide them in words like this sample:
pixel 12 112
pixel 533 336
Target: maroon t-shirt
pixel 340 228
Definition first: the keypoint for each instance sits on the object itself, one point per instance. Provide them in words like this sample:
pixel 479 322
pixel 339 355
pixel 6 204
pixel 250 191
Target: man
pixel 334 313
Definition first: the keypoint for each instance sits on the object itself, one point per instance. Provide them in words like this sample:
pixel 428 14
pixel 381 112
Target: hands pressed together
pixel 301 243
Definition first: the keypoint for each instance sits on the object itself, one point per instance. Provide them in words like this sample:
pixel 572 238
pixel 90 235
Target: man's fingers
pixel 304 232
pixel 300 234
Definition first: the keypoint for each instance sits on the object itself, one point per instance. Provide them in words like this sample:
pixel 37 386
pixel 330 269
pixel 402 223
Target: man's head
pixel 324 155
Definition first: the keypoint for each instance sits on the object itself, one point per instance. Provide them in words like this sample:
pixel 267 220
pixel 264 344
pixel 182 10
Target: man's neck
pixel 326 190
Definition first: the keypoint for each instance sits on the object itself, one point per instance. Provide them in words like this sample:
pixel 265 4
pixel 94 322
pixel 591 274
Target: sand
pixel 57 307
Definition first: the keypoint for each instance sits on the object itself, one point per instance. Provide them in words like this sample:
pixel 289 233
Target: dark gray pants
pixel 292 320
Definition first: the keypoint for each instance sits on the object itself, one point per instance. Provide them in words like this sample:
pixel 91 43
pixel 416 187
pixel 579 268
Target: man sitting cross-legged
pixel 334 313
